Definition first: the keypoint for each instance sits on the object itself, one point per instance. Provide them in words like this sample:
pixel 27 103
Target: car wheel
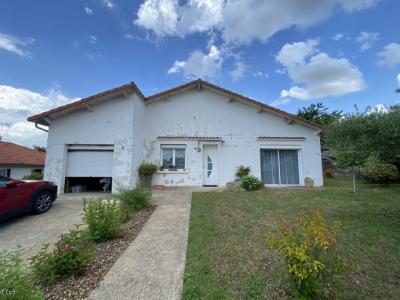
pixel 42 202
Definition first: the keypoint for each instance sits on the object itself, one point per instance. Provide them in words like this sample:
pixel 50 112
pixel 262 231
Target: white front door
pixel 210 165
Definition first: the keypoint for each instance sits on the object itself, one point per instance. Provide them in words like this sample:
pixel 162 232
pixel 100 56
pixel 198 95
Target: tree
pixel 39 148
pixel 383 133
pixel 318 113
pixel 347 142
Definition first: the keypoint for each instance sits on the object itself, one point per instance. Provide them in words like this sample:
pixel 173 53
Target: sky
pixel 286 53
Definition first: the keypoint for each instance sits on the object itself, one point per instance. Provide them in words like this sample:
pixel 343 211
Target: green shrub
pixel 328 173
pixel 309 182
pixel 16 281
pixel 33 176
pixel 311 255
pixel 103 218
pixel 251 183
pixel 136 199
pixel 147 169
pixel 71 254
pixel 242 171
pixel 380 172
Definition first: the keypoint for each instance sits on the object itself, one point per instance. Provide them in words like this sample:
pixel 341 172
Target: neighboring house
pixel 197 133
pixel 16 161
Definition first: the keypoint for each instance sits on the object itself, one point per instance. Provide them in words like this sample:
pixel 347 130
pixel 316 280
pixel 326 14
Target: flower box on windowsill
pixel 172 171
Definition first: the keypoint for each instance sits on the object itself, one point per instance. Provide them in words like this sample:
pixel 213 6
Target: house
pixel 16 161
pixel 197 133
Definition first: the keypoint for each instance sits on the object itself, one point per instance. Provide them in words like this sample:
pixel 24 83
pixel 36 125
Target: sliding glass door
pixel 279 166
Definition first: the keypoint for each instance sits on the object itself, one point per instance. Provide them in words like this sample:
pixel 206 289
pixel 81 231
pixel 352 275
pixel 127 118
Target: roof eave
pixel 45 118
pixel 199 83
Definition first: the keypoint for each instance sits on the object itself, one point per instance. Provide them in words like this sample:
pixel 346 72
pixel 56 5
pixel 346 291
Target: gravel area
pixel 80 286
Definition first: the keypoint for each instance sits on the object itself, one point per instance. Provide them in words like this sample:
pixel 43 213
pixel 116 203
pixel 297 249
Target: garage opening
pixel 89 169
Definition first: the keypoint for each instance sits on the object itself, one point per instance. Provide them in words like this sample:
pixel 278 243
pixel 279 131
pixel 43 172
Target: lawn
pixel 227 256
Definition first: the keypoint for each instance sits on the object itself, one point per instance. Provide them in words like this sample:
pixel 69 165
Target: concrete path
pixel 32 231
pixel 152 266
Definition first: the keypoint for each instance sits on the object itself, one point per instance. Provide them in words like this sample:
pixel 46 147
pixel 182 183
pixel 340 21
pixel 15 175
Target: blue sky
pixel 286 53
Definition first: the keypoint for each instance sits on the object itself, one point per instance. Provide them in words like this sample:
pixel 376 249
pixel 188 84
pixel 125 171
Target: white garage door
pixel 89 163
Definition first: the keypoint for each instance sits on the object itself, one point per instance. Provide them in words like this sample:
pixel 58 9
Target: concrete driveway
pixel 31 231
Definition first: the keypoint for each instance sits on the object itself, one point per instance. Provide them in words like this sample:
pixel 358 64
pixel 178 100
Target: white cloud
pixel 260 74
pixel 109 4
pixel 338 36
pixel 177 67
pixel 93 56
pixel 367 39
pixel 167 17
pixel 238 21
pixel 280 102
pixel 296 52
pixel 378 108
pixel 390 55
pixel 319 74
pixel 398 79
pixel 238 71
pixel 15 45
pixel 199 64
pixel 16 104
pixel 354 5
pixel 92 39
pixel 88 10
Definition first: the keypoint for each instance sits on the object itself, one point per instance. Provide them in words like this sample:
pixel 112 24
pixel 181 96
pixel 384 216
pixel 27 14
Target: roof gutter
pixel 37 126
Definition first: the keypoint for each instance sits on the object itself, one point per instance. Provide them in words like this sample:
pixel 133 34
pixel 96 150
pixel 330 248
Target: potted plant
pixel 242 171
pixel 146 171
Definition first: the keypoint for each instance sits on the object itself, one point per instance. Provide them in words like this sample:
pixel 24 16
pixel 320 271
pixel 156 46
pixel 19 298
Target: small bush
pixel 147 169
pixel 242 171
pixel 309 182
pixel 103 218
pixel 380 172
pixel 16 282
pixel 328 173
pixel 72 253
pixel 251 183
pixel 136 199
pixel 33 176
pixel 310 252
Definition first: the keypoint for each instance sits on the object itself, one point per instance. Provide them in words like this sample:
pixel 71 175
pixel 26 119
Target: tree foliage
pixel 347 141
pixel 356 138
pixel 39 148
pixel 319 114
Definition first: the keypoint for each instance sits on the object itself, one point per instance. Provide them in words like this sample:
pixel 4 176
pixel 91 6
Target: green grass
pixel 227 256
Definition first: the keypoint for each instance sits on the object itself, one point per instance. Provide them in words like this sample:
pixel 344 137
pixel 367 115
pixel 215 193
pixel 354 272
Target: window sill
pixel 172 172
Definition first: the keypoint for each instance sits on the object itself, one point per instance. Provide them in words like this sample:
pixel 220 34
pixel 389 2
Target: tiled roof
pixel 14 154
pixel 281 138
pixel 198 83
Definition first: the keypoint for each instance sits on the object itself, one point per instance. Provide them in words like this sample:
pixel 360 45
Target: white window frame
pixel 173 147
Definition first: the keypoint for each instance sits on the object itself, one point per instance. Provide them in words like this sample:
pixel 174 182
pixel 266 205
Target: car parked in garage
pixel 23 196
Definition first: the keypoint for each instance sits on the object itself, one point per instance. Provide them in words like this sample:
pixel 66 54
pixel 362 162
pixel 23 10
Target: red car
pixel 22 196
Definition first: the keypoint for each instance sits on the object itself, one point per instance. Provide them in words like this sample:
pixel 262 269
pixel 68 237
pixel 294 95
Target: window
pixel 3 182
pixel 280 167
pixel 173 156
pixel 5 172
pixel 37 171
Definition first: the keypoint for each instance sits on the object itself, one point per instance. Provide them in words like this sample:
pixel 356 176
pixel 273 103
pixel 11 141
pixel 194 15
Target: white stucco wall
pixel 19 171
pixel 133 127
pixel 107 123
pixel 205 113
